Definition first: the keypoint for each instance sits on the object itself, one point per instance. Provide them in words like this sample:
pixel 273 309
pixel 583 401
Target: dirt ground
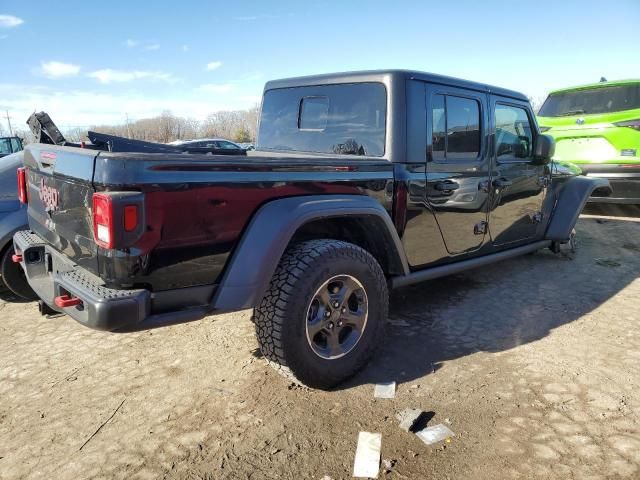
pixel 534 363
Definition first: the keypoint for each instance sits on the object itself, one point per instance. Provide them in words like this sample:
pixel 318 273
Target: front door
pixel 458 165
pixel 518 187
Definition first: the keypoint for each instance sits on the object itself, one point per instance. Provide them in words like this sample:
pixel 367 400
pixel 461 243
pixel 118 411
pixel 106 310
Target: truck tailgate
pixel 60 190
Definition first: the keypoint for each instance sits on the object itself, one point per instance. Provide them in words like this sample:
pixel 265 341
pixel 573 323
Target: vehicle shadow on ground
pixel 499 307
pixel 7 295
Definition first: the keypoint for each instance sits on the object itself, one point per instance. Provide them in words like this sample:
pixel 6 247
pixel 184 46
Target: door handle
pixel 502 182
pixel 446 186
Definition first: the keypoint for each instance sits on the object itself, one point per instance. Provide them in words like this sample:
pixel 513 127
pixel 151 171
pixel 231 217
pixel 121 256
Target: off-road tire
pixel 281 316
pixel 13 276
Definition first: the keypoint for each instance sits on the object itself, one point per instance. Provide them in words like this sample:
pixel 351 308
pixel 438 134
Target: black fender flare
pixel 270 230
pixel 571 200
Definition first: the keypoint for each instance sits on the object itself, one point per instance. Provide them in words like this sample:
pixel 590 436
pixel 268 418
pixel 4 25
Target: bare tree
pixel 167 127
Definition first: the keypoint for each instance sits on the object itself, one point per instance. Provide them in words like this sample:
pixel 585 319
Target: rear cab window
pixel 347 119
pixel 596 100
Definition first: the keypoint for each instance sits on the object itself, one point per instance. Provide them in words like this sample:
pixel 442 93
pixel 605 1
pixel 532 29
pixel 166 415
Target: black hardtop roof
pixel 386 76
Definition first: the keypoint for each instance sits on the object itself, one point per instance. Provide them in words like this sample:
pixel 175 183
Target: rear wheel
pixel 324 312
pixel 13 276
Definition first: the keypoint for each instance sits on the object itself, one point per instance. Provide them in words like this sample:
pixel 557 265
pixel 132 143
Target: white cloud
pixel 83 108
pixel 215 87
pixel 213 65
pixel 108 75
pixel 131 43
pixel 55 69
pixel 185 48
pixel 151 47
pixel 9 21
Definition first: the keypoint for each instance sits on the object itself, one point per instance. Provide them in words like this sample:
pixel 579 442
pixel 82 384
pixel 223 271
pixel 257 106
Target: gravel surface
pixel 533 363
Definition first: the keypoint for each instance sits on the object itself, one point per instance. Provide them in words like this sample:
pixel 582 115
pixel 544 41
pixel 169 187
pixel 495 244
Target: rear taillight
pixel 103 220
pixel 635 124
pixel 130 218
pixel 22 185
pixel 117 218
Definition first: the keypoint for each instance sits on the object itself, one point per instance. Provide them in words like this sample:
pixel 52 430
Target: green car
pixel 597 127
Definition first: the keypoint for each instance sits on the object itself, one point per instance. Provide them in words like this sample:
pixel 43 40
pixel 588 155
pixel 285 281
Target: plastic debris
pixel 385 390
pixel 607 262
pixel 398 323
pixel 387 465
pixel 437 433
pixel 408 418
pixel 367 461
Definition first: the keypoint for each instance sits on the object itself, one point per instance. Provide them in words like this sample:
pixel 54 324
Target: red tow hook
pixel 64 301
pixel 16 257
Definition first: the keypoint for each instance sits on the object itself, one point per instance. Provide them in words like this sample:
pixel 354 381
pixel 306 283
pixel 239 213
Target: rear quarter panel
pixel 196 207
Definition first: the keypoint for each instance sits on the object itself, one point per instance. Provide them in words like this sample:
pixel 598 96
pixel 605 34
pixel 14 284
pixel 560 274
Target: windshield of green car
pixel 592 101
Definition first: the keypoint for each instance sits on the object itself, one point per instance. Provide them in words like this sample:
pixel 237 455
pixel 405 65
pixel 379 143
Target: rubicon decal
pixel 49 196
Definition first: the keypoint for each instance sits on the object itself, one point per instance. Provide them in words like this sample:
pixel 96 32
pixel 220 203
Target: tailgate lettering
pixel 49 196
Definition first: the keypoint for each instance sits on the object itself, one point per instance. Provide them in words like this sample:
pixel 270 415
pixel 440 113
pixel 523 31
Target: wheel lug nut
pixel 340 323
pixel 327 314
pixel 330 325
pixel 344 309
pixel 336 304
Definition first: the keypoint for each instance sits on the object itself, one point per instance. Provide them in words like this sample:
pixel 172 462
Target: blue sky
pixel 94 62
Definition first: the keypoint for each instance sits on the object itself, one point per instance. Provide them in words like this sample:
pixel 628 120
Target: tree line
pixel 237 125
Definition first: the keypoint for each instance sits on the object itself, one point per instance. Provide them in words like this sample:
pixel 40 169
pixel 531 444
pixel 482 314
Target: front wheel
pixel 324 312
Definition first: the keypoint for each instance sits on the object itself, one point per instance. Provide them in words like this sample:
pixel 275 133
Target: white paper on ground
pixel 434 434
pixel 367 462
pixel 385 390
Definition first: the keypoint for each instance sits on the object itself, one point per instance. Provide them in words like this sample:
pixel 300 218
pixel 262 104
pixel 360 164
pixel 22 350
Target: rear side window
pixel 5 146
pixel 16 145
pixel 514 137
pixel 227 145
pixel 347 119
pixel 455 127
pixel 595 100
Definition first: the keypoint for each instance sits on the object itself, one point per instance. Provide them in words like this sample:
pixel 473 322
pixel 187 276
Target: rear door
pixel 458 165
pixel 518 187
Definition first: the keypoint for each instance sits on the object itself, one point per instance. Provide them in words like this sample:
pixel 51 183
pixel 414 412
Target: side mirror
pixel 544 149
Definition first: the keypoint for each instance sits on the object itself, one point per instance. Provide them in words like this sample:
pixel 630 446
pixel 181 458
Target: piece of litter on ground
pixel 435 434
pixel 385 390
pixel 399 323
pixel 387 465
pixel 607 262
pixel 367 461
pixel 408 418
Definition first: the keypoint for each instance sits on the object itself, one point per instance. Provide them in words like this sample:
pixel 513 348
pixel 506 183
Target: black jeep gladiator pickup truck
pixel 360 182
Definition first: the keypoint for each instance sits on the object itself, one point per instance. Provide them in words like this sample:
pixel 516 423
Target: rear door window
pixel 455 127
pixel 348 119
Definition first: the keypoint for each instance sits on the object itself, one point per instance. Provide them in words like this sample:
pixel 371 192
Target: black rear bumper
pixel 53 275
pixel 624 180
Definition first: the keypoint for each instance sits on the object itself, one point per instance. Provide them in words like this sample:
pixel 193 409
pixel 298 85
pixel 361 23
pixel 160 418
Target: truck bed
pixel 195 206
